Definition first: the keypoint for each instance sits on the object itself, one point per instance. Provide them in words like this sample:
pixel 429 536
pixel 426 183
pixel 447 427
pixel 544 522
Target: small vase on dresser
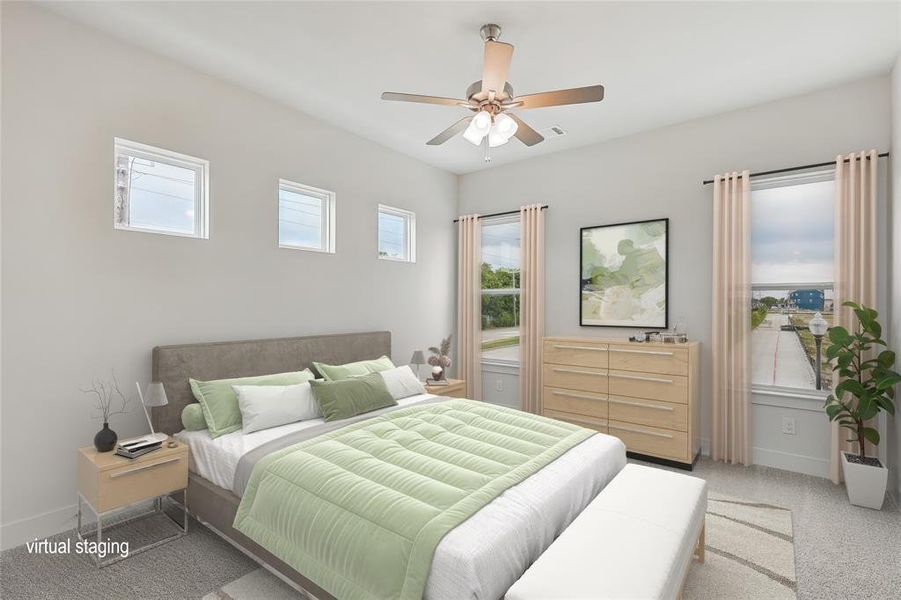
pixel 105 440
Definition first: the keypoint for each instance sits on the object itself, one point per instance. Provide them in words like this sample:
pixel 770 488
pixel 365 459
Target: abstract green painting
pixel 624 275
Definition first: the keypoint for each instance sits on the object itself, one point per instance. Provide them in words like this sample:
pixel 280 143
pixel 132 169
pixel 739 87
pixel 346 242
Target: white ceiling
pixel 661 63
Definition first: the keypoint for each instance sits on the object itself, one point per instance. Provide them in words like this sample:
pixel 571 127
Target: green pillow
pixel 349 397
pixel 220 404
pixel 192 417
pixel 354 369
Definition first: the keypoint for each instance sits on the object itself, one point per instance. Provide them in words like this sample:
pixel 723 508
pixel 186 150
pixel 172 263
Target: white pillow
pixel 401 382
pixel 265 406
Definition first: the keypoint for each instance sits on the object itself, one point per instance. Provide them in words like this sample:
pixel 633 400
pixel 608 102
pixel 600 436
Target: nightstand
pixel 108 483
pixel 455 388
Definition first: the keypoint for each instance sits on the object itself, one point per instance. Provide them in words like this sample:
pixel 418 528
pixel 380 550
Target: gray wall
pixel 80 298
pixel 659 174
pixel 895 440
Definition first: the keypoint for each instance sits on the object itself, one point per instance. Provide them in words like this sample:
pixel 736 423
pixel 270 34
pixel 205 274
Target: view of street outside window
pixel 500 290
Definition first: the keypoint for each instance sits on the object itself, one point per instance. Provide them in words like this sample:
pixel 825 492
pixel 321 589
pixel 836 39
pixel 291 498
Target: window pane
pixel 791 245
pixel 791 233
pixel 500 286
pixel 161 196
pixel 392 236
pixel 300 220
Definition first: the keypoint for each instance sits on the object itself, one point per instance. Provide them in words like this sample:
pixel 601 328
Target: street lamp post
pixel 818 327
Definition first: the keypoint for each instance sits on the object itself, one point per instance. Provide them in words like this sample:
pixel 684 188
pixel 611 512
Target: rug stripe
pixel 777 534
pixel 763 571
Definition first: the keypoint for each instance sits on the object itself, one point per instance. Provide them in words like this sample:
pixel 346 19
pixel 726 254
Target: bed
pixel 479 558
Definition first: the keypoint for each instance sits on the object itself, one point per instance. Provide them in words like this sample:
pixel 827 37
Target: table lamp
pixel 418 360
pixel 154 396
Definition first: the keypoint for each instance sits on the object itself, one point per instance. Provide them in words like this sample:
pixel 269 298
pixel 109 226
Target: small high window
pixel 159 191
pixel 397 234
pixel 306 217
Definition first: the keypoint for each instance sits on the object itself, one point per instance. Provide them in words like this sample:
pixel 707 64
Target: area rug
pixel 750 552
pixel 750 555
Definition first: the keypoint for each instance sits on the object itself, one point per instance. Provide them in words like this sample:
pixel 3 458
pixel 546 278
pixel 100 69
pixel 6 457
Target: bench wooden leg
pixel 699 549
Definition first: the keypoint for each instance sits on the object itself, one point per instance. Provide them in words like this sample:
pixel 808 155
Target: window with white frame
pixel 160 191
pixel 306 217
pixel 397 234
pixel 500 289
pixel 792 222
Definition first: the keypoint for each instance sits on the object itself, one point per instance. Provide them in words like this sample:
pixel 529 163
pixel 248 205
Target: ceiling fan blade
pixel 450 132
pixel 497 63
pixel 399 97
pixel 524 133
pixel 593 93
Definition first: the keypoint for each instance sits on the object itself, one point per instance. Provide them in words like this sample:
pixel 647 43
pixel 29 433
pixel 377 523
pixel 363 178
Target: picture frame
pixel 624 275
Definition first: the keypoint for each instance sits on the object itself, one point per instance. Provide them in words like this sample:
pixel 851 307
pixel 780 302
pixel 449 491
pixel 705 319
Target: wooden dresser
pixel 646 394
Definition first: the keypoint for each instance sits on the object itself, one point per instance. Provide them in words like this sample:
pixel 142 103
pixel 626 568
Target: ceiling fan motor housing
pixel 474 94
pixel 490 32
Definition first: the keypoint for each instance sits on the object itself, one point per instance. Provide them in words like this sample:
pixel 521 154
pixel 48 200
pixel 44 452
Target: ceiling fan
pixel 491 98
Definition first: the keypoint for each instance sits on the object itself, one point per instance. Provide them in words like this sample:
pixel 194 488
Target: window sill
pixel 501 366
pixel 797 399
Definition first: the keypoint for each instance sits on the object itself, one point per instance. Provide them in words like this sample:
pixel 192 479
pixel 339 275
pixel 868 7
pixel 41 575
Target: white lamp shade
pixel 818 325
pixel 478 128
pixel 505 125
pixel 495 138
pixel 155 395
pixel 473 135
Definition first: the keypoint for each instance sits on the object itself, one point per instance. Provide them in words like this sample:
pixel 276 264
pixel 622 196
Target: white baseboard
pixel 799 463
pixel 18 532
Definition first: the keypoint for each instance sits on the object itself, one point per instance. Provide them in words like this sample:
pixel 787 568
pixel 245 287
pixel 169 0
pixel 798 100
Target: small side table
pixel 108 483
pixel 455 388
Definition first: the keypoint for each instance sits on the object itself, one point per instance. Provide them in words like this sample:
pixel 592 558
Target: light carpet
pixel 750 555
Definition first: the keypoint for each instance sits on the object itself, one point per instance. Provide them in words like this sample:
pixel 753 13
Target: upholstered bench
pixel 635 540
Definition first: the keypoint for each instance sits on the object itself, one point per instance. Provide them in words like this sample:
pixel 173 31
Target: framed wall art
pixel 624 275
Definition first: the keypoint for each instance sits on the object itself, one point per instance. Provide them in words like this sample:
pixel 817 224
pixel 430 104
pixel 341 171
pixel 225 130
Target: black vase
pixel 106 439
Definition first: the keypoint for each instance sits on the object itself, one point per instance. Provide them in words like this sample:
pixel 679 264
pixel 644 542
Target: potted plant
pixel 866 388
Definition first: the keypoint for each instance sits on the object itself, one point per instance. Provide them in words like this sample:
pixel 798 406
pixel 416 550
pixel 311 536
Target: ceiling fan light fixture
pixel 505 126
pixel 496 138
pixel 478 128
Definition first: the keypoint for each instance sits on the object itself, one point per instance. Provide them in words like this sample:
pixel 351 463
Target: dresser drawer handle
pixel 583 396
pixel 580 372
pixel 654 352
pixel 642 378
pixel 568 347
pixel 663 435
pixel 641 404
pixel 142 467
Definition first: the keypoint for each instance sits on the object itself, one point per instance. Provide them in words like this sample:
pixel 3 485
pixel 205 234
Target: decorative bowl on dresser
pixel 646 394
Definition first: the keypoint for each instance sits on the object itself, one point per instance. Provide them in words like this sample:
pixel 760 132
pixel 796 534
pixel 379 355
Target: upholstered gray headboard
pixel 173 365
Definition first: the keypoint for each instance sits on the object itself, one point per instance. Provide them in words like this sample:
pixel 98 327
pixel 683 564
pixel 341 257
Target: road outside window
pixel 792 280
pixel 500 290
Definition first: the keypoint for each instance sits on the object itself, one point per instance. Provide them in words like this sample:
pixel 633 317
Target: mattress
pixel 485 555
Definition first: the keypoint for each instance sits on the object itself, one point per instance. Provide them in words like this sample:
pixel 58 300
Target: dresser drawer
pixel 582 403
pixel 669 388
pixel 658 442
pixel 585 379
pixel 580 354
pixel 582 421
pixel 668 415
pixel 133 482
pixel 650 360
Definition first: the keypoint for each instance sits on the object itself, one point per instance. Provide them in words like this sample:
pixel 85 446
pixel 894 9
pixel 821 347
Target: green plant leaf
pixel 886 359
pixel 888 382
pixel 839 335
pixel 851 304
pixel 871 435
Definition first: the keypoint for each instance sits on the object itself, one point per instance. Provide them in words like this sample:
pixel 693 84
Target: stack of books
pixel 136 448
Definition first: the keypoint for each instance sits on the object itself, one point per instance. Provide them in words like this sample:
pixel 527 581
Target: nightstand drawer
pixel 133 482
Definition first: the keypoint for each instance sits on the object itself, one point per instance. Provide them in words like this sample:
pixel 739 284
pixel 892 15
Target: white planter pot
pixel 865 484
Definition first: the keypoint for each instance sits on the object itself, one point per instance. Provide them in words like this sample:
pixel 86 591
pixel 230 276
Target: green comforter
pixel 360 510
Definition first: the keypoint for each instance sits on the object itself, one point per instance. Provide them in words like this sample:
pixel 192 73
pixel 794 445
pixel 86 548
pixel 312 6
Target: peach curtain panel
pixel 469 304
pixel 730 440
pixel 531 294
pixel 854 252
